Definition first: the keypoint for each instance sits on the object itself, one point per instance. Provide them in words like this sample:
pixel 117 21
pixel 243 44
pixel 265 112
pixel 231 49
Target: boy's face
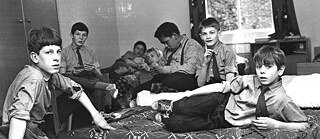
pixel 170 42
pixel 269 74
pixel 152 57
pixel 79 37
pixel 210 36
pixel 48 59
pixel 138 50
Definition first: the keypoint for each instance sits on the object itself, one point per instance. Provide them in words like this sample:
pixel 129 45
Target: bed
pixel 138 122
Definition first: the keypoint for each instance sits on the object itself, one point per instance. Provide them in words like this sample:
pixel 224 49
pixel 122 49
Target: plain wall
pixel 115 25
pixel 308 17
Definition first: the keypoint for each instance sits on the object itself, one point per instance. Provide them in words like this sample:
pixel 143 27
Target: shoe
pixel 162 105
pixel 159 116
pixel 133 103
pixel 111 88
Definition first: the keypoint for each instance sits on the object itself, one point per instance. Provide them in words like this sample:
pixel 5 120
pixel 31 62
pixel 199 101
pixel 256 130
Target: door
pixel 39 13
pixel 13 51
pixel 17 17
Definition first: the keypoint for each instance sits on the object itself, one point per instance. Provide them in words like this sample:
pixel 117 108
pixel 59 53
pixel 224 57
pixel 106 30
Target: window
pixel 242 20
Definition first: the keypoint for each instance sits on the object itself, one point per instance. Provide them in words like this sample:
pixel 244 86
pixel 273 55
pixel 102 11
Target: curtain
pixel 284 18
pixel 197 13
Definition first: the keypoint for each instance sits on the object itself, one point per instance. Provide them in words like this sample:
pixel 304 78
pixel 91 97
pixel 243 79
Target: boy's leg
pixel 180 81
pixel 147 85
pixel 198 113
pixel 200 104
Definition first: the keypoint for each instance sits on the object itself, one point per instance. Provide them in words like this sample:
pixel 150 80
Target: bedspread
pixel 139 123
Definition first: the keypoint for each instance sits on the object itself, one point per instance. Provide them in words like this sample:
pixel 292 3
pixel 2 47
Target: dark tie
pixel 79 56
pixel 261 108
pixel 216 73
pixel 56 120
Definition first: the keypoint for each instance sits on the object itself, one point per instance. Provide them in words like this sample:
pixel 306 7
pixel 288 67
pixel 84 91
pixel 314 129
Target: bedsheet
pixel 139 123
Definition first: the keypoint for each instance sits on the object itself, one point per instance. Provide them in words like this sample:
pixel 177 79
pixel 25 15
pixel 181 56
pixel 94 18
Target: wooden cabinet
pixel 17 18
pixel 296 50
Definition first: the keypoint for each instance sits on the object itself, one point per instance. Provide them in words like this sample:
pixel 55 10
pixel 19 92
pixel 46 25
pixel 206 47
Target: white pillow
pixel 303 89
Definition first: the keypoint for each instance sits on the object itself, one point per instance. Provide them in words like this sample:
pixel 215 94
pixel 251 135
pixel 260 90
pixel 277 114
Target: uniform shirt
pixel 226 61
pixel 241 107
pixel 191 58
pixel 28 97
pixel 69 57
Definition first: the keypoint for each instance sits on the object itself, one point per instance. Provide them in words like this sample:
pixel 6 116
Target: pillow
pixel 303 89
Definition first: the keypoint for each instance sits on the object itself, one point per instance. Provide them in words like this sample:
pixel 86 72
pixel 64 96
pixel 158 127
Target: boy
pixel 80 63
pixel 217 107
pixel 181 54
pixel 29 96
pixel 155 58
pixel 219 61
pixel 129 62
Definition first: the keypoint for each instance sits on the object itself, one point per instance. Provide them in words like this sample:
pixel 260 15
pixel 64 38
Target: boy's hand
pixel 102 123
pixel 266 123
pixel 159 69
pixel 76 71
pixel 207 56
pixel 88 67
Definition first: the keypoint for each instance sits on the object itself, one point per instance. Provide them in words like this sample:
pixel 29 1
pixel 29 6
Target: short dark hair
pixel 166 29
pixel 43 36
pixel 267 55
pixel 79 26
pixel 209 22
pixel 140 43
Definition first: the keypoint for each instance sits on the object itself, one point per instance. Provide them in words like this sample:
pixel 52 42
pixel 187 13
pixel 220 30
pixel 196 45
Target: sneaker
pixel 162 105
pixel 133 103
pixel 159 116
pixel 111 88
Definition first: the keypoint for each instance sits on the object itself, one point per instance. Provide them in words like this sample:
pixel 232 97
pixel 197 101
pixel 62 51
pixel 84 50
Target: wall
pixel 308 20
pixel 115 25
pixel 100 17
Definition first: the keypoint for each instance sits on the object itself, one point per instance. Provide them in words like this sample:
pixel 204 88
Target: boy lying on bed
pixel 237 103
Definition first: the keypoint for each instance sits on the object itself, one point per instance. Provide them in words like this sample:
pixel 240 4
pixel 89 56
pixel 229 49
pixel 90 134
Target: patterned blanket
pixel 136 123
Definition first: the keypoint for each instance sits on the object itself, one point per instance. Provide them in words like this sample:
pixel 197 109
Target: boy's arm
pixel 17 128
pixel 97 118
pixel 269 123
pixel 202 78
pixel 210 88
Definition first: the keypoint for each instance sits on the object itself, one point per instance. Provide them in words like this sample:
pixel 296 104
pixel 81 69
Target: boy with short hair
pixel 259 100
pixel 29 97
pixel 154 58
pixel 80 63
pixel 219 60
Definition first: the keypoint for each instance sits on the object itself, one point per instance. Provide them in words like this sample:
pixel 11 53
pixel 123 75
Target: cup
pixel 156 88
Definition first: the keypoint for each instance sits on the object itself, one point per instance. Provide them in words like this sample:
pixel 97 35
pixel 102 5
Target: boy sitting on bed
pixel 238 103
pixel 29 97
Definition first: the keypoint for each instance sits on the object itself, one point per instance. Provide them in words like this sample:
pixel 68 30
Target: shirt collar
pixel 45 78
pixel 216 47
pixel 272 87
pixel 74 47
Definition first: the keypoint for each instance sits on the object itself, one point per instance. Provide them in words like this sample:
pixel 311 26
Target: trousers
pixel 179 81
pixel 195 113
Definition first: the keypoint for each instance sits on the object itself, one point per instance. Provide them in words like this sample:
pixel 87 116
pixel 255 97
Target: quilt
pixel 139 123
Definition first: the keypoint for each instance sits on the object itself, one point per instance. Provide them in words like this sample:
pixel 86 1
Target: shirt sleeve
pixel 190 60
pixel 292 113
pixel 67 85
pixel 239 83
pixel 230 62
pixel 63 63
pixel 24 100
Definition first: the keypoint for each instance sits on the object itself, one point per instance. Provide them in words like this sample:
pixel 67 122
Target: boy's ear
pixel 34 57
pixel 281 70
pixel 174 35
